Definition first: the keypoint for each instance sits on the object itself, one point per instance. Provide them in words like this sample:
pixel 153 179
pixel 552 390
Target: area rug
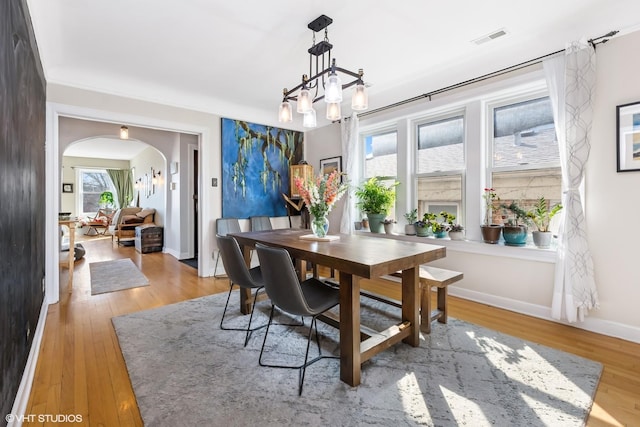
pixel 115 275
pixel 185 370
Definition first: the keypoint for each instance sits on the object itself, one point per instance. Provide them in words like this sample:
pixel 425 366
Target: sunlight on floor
pixel 456 401
pixel 412 398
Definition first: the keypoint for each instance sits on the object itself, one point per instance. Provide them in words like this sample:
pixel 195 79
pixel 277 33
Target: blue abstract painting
pixel 255 168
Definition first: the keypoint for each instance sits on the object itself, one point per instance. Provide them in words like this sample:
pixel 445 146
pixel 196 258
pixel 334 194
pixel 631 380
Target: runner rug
pixel 185 370
pixel 116 275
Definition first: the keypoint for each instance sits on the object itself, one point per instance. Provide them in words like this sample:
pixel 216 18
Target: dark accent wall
pixel 22 194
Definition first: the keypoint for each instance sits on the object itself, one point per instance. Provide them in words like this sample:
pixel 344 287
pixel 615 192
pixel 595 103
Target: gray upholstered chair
pixel 225 226
pixel 260 223
pixel 309 298
pixel 240 275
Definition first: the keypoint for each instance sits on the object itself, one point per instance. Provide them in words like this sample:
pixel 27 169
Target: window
pixel 93 182
pixel 440 165
pixel 525 161
pixel 381 151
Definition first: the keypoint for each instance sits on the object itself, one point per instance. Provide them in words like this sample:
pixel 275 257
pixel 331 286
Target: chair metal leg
pixel 248 329
pixel 302 368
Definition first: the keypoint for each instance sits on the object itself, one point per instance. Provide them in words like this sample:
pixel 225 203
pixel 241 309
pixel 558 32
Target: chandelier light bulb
pixel 304 101
pixel 360 98
pixel 285 114
pixel 333 111
pixel 309 119
pixel 333 90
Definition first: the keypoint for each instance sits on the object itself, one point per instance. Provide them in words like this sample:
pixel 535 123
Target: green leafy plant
pixel 428 219
pixel 411 217
pixel 541 214
pixel 106 198
pixel 376 198
pixel 520 216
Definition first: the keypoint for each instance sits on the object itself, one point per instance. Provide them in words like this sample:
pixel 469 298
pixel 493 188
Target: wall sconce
pixel 156 177
pixel 124 132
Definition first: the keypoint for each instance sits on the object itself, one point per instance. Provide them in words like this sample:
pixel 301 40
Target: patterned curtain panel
pixel 571 79
pixel 349 129
pixel 123 182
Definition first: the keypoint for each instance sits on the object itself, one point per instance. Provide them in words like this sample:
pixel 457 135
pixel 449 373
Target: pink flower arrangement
pixel 321 193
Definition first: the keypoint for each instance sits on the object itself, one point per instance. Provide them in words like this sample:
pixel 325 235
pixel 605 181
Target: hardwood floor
pixel 81 370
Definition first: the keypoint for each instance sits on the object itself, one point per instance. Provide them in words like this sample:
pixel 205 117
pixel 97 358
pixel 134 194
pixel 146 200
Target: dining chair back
pixel 260 223
pixel 241 276
pixel 225 226
pixel 309 298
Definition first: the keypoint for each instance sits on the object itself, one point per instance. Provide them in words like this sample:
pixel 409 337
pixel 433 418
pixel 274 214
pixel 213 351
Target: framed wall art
pixel 628 137
pixel 255 168
pixel 331 164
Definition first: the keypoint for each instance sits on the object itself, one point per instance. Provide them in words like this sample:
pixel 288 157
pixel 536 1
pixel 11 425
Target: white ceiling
pixel 233 58
pixel 106 148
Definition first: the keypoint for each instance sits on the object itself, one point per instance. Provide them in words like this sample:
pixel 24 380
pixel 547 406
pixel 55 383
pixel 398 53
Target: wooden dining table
pixel 355 257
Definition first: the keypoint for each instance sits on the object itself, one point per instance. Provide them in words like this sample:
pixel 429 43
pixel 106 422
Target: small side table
pixel 149 238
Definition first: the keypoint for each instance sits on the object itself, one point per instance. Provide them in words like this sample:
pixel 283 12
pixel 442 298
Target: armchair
pixel 125 221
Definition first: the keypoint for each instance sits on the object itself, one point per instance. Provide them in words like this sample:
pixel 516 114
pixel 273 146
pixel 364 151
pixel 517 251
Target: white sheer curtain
pixel 571 79
pixel 350 155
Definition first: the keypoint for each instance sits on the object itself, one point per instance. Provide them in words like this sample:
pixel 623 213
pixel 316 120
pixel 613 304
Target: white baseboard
pixel 24 391
pixel 604 327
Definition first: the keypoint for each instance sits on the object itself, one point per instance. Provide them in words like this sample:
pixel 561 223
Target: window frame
pixel 80 193
pixel 457 111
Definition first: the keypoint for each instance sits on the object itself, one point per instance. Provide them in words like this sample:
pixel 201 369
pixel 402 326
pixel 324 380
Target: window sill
pixel 528 252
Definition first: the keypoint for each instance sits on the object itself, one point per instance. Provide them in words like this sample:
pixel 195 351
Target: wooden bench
pixel 429 277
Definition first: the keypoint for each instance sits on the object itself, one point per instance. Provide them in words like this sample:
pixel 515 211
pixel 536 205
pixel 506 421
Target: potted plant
pixel 388 225
pixel 376 199
pixel 456 232
pixel 541 216
pixel 106 199
pixel 411 217
pixel 440 229
pixel 424 226
pixel 490 231
pixel 515 231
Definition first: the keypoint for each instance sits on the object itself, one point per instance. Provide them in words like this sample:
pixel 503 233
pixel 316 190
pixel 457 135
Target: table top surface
pixel 365 256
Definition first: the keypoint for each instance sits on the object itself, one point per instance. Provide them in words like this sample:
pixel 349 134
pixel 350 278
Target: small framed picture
pixel 628 137
pixel 331 164
pixel 67 188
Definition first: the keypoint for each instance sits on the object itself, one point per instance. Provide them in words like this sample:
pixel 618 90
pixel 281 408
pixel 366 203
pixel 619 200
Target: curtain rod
pixel 593 42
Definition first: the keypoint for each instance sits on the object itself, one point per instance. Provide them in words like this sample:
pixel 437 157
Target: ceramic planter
pixel 440 234
pixel 491 233
pixel 410 229
pixel 422 231
pixel 515 235
pixel 456 235
pixel 388 228
pixel 375 222
pixel 542 239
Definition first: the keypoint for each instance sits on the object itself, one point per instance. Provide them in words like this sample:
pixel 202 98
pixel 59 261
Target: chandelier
pixel 324 83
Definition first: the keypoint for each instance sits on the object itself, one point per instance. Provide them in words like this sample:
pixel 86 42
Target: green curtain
pixel 123 182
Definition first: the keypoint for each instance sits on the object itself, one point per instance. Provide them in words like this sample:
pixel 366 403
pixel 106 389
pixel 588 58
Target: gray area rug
pixel 185 370
pixel 116 275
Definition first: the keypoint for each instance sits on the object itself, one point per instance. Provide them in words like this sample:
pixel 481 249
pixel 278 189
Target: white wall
pixel 155 198
pixel 613 199
pixel 323 143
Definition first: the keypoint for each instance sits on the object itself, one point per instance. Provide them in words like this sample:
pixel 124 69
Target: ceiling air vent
pixel 491 36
